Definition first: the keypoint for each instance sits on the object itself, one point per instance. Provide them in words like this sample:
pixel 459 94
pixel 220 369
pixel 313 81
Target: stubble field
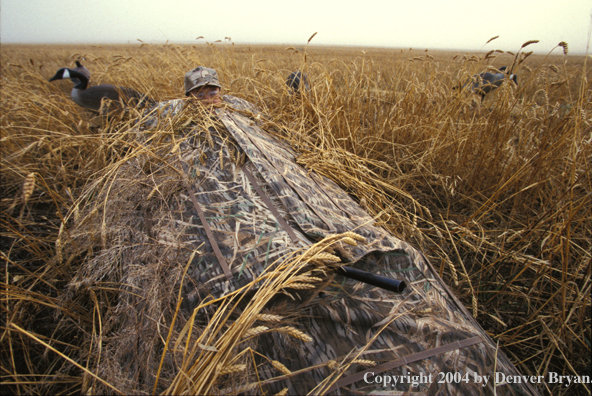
pixel 498 194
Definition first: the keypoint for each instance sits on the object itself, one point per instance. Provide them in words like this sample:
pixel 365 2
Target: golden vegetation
pixel 497 194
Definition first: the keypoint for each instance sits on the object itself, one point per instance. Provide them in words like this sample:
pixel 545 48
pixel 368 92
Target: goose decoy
pixel 294 80
pixel 91 97
pixel 486 82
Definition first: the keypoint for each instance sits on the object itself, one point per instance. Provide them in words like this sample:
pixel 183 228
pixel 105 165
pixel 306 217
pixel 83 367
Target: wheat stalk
pixel 269 318
pixel 255 331
pixel 280 367
pixel 28 187
pixel 300 286
pixel 233 369
pixel 529 42
pixel 327 257
pixel 291 331
pixel 491 39
pixel 365 362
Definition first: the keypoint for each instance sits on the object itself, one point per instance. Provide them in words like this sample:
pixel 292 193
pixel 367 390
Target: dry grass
pixel 497 194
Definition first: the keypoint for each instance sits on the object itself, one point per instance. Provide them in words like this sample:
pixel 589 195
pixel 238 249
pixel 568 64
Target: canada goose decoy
pixel 294 80
pixel 486 82
pixel 91 97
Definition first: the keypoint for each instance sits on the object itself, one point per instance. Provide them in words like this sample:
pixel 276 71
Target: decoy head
pixel 295 79
pixel 513 77
pixel 60 74
pixel 80 79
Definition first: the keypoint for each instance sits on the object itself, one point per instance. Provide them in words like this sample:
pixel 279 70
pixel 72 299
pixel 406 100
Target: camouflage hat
pixel 199 77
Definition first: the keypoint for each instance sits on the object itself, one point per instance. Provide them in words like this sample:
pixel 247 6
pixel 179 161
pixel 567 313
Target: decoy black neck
pixel 69 73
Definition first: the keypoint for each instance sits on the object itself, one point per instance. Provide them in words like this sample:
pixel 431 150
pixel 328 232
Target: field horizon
pixel 354 47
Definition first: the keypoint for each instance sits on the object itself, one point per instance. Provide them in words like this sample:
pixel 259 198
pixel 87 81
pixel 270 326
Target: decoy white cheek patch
pixel 66 74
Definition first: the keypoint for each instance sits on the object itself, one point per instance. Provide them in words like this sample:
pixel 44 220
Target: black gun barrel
pixel 383 282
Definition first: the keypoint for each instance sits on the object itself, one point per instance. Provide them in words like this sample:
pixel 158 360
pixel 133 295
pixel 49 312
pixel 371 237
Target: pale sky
pixel 420 24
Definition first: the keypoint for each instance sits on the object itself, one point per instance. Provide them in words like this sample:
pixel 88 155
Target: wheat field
pixel 497 193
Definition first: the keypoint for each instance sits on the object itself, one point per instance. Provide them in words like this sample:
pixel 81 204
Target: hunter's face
pixel 207 93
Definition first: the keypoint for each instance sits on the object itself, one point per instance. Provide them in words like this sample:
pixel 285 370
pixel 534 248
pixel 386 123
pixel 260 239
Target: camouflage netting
pixel 283 319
